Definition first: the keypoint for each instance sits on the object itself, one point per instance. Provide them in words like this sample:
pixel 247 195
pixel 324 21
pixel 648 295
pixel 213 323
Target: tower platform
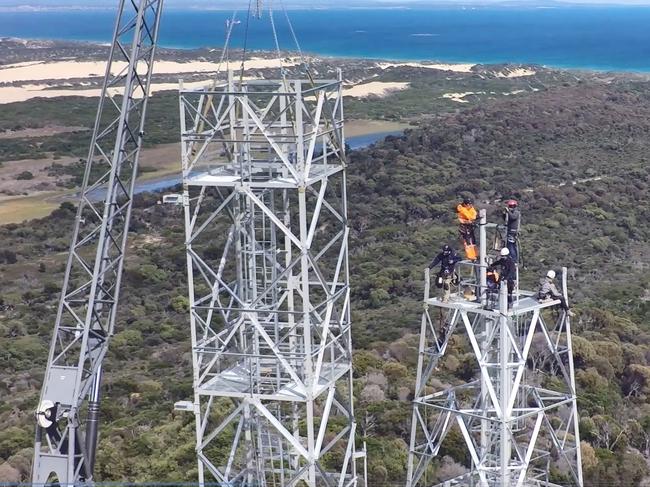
pixel 524 304
pixel 270 177
pixel 236 382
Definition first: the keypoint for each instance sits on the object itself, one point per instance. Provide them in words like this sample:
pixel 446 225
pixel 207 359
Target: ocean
pixel 601 38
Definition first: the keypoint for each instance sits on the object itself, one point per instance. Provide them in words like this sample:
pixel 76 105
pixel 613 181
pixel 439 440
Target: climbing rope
pixel 243 57
pixel 295 38
pixel 277 44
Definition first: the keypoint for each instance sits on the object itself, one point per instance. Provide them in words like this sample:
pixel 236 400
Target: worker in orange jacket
pixel 467 216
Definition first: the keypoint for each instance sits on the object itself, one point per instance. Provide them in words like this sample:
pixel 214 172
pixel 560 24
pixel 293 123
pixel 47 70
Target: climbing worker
pixel 548 291
pixel 508 271
pixel 512 220
pixel 447 259
pixel 467 215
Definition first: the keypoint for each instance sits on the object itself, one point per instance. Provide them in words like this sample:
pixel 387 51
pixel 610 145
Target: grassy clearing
pixel 22 208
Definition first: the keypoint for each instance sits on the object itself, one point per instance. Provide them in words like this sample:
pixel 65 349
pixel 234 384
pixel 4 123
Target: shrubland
pixel 576 159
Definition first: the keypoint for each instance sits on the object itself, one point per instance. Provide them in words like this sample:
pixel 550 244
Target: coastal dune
pixel 23 81
pixel 11 94
pixel 52 79
pixel 63 70
pixel 378 88
pixel 457 68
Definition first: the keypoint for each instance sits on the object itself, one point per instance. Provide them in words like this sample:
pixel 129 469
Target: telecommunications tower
pixel 518 418
pixel 264 197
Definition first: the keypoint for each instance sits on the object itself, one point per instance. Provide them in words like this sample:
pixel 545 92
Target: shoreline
pixel 599 69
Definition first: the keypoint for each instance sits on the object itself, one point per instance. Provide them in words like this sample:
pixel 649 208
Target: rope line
pixel 243 57
pixel 277 42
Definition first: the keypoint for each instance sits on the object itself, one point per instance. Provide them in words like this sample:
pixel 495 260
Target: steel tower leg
pixel 65 439
pixel 267 261
pixel 505 386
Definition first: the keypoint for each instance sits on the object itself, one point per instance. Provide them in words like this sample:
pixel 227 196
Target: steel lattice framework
pixel 519 416
pixel 267 261
pixel 66 432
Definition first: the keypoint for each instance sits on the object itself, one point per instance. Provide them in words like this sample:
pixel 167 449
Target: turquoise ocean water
pixel 604 38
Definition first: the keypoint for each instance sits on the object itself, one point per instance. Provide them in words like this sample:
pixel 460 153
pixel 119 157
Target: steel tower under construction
pixel 264 198
pixel 518 418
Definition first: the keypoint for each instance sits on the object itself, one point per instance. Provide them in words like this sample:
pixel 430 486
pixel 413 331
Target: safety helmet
pixel 446 249
pixel 551 274
pixel 512 203
pixel 467 200
pixel 505 251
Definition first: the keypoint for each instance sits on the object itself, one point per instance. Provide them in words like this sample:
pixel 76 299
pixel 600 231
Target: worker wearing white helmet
pixel 548 291
pixel 508 271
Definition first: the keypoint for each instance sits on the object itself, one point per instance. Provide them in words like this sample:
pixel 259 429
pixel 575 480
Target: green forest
pixel 576 157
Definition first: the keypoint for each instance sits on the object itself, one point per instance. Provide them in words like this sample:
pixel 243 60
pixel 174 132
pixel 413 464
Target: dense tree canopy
pixel 576 158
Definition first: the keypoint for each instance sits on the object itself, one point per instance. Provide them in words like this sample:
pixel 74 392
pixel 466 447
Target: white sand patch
pixel 514 92
pixel 89 69
pixel 379 88
pixel 515 73
pixel 13 94
pixel 458 68
pixel 460 97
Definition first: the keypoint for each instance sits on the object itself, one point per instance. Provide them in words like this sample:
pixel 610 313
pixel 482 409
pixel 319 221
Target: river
pixel 159 184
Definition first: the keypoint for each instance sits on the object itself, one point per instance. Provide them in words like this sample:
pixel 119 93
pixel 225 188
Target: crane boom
pixel 67 414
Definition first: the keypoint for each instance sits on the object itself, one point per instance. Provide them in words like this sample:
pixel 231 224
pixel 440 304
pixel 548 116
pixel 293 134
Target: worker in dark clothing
pixel 445 276
pixel 512 220
pixel 548 291
pixel 508 271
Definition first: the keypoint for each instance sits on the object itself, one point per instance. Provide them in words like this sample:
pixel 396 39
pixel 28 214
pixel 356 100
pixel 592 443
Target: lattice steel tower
pixel 68 411
pixel 518 417
pixel 267 262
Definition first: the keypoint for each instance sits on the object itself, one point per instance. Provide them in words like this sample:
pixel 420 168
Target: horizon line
pixel 416 5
